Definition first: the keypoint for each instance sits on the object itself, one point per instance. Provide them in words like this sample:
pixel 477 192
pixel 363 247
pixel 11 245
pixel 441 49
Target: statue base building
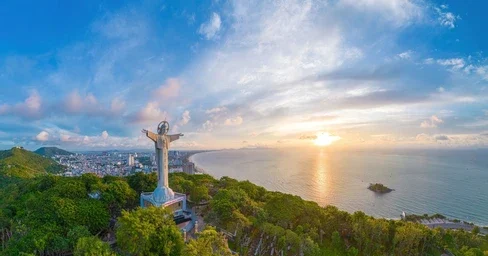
pixel 165 197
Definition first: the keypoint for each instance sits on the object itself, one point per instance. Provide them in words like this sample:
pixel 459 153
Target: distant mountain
pixel 51 151
pixel 18 162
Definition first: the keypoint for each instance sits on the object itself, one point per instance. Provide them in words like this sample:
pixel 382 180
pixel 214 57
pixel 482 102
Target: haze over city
pixel 237 74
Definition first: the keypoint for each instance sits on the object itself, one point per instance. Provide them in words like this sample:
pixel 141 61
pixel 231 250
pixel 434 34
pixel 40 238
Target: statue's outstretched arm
pixel 150 135
pixel 174 137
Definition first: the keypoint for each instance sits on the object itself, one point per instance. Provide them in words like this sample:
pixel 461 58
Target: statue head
pixel 163 128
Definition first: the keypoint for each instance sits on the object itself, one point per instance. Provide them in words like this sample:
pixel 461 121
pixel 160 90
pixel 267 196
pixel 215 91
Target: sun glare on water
pixel 325 139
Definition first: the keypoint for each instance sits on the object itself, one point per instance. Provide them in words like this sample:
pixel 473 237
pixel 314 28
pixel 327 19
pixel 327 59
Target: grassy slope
pixel 25 164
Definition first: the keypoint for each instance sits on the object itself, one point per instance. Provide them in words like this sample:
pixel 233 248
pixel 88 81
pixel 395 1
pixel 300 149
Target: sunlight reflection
pixel 321 179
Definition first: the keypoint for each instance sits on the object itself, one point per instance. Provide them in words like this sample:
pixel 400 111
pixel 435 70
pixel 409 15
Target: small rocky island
pixel 379 188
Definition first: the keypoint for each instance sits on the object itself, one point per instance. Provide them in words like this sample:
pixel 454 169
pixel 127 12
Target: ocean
pixel 450 182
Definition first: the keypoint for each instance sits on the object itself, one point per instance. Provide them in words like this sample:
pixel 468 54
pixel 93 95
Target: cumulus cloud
pixel 211 28
pixel 42 136
pixel 104 135
pixel 150 113
pixel 185 118
pixel 31 107
pixel 74 103
pixel 234 121
pixel 170 89
pixel 432 122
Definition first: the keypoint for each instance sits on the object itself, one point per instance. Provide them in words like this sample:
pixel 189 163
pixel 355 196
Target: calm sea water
pixel 450 182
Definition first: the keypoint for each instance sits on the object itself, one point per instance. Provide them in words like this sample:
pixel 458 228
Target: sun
pixel 325 139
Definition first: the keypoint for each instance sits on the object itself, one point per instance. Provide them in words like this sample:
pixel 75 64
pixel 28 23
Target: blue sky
pixel 232 74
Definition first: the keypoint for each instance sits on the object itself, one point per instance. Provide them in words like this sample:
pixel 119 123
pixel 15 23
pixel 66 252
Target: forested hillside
pixel 52 215
pixel 22 163
pixel 51 151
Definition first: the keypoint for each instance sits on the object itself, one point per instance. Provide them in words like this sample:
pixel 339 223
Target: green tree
pixel 117 195
pixel 208 243
pixel 199 194
pixel 476 230
pixel 141 182
pixel 92 246
pixel 473 252
pixel 149 231
pixel 76 233
pixel 337 244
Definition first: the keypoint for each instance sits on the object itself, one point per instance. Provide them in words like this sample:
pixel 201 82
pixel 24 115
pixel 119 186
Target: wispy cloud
pixel 211 28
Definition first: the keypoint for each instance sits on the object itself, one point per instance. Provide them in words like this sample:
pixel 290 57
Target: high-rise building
pixel 130 161
pixel 189 168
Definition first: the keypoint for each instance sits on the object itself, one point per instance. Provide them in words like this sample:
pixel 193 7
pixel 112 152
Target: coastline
pixel 452 219
pixel 198 169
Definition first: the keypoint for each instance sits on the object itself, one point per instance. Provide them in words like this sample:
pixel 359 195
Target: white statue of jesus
pixel 161 141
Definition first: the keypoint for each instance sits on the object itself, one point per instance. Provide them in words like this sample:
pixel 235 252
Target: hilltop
pixel 51 151
pixel 18 162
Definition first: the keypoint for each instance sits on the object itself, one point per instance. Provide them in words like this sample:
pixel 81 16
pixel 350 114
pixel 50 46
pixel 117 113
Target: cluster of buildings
pixel 117 163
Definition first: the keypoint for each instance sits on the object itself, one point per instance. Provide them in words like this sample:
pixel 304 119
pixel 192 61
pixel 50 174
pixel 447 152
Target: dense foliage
pixel 149 231
pixel 48 214
pixel 52 215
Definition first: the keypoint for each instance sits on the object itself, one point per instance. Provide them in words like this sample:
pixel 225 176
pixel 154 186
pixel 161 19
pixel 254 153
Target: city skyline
pixel 244 74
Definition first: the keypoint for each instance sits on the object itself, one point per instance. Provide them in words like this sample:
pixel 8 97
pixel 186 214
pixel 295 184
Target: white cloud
pixel 423 137
pixel 455 63
pixel 234 121
pixel 405 55
pixel 74 103
pixel 441 89
pixel 483 72
pixel 208 126
pixel 185 118
pixel 42 136
pixel 105 135
pixel 31 107
pixel 211 28
pixel 150 113
pixel 429 61
pixel 432 122
pixel 447 19
pixel 65 137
